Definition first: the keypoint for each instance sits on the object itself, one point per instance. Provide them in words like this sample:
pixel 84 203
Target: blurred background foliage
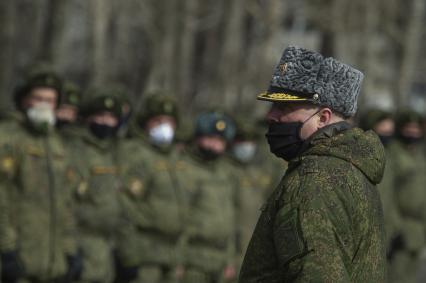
pixel 214 52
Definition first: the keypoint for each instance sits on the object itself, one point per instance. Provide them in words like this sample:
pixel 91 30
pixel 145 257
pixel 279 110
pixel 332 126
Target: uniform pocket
pixel 288 236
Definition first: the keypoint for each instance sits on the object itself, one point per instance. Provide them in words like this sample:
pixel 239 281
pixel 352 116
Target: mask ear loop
pixel 309 118
pixel 312 116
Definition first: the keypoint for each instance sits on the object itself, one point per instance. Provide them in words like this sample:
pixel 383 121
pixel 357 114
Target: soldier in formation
pixel 94 190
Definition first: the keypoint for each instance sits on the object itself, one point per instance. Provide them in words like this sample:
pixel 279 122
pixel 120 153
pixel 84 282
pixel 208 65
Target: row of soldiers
pixel 93 191
pixel 403 191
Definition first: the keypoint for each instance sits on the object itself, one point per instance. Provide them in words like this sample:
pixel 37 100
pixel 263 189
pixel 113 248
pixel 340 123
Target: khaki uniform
pixel 253 186
pixel 98 208
pixel 36 217
pixel 209 240
pixel 268 162
pixel 155 206
pixel 410 197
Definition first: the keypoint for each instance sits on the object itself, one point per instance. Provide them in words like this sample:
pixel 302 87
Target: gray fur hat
pixel 304 75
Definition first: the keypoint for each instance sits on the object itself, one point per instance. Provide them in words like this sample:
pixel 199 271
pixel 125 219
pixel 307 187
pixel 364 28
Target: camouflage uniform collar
pixel 324 133
pixel 197 157
pixel 328 132
pixel 228 157
pixel 90 138
pixel 362 149
pixel 143 138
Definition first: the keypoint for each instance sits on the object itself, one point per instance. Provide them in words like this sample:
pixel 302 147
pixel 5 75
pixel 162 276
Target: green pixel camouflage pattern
pixel 324 222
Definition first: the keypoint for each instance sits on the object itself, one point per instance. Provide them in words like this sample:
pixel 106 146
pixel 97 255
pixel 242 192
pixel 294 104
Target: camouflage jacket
pixel 209 237
pixel 408 180
pixel 324 222
pixel 253 186
pixel 153 204
pixel 36 217
pixel 97 184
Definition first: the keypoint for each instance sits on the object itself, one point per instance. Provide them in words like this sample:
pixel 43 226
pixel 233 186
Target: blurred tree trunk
pixel 101 12
pixel 6 53
pixel 410 50
pixel 165 38
pixel 233 52
pixel 187 46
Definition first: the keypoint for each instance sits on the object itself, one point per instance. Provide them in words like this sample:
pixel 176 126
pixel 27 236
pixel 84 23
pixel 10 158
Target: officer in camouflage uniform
pixel 68 114
pixel 98 185
pixel 407 153
pixel 324 221
pixel 252 181
pixel 382 123
pixel 153 201
pixel 209 240
pixel 37 228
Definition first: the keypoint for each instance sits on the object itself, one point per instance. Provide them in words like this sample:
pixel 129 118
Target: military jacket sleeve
pixel 8 159
pixel 321 259
pixel 307 234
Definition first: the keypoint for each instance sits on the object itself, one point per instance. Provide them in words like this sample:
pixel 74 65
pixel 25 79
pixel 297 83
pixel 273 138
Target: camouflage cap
pixel 158 104
pixel 246 129
pixel 36 79
pixel 307 76
pixel 407 116
pixel 71 94
pixel 373 116
pixel 99 100
pixel 215 123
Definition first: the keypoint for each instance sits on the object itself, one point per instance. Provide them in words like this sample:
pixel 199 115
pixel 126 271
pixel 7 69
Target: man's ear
pixel 325 115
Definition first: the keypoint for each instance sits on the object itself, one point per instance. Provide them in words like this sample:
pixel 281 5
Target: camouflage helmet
pixel 158 104
pixel 99 100
pixel 373 116
pixel 38 78
pixel 71 94
pixel 246 129
pixel 215 123
pixel 407 116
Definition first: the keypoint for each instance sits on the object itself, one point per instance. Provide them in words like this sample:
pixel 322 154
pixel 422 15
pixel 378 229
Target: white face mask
pixel 244 151
pixel 162 135
pixel 41 115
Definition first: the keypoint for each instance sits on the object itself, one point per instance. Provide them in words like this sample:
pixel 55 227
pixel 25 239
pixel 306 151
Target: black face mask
pixel 284 139
pixel 62 123
pixel 385 139
pixel 102 131
pixel 411 140
pixel 208 154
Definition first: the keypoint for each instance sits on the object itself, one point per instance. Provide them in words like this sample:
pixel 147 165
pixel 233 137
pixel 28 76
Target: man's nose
pixel 272 115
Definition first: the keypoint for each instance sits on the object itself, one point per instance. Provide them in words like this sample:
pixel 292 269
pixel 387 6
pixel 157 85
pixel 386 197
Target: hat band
pixel 281 94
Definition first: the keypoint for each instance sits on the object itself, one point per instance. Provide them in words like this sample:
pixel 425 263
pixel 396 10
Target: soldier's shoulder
pixel 12 131
pixel 322 176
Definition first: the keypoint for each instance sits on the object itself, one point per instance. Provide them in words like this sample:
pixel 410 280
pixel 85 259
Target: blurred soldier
pixel 68 115
pixel 407 153
pixel 324 222
pixel 98 185
pixel 209 241
pixel 126 110
pixel 252 181
pixel 153 201
pixel 37 229
pixel 266 160
pixel 67 112
pixel 383 124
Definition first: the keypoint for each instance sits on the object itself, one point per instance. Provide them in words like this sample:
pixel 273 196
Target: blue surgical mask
pixel 161 135
pixel 244 151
